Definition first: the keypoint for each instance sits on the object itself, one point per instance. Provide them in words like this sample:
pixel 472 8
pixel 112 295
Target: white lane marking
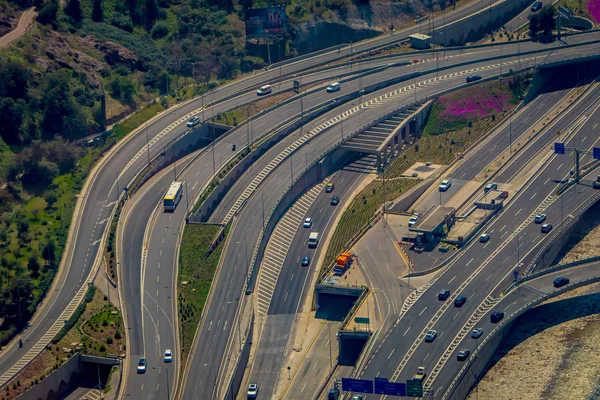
pixel 421 313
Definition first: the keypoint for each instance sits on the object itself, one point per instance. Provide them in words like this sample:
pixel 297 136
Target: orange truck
pixel 342 262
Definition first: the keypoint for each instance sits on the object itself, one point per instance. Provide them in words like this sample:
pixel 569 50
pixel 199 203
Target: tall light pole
pixel 147 144
pixel 518 248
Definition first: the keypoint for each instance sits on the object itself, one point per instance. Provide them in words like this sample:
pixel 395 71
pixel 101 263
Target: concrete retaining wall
pixel 240 368
pixel 475 27
pixel 58 383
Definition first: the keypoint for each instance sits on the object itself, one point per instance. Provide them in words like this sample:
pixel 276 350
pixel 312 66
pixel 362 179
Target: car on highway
pixel 233 147
pixel 445 185
pixel 496 316
pixel 463 354
pixel 473 78
pixel 443 294
pixel 537 6
pixel 430 335
pixel 546 228
pixel 329 187
pixel 460 301
pixel 490 186
pixel 561 281
pixel 334 201
pixel 357 397
pixel 540 218
pixel 476 333
pixel 141 367
pixel 412 221
pixel 193 122
pixel 266 89
pixel 484 238
pixel 168 357
pixel 307 223
pixel 596 185
pixel 252 390
pixel 305 261
pixel 333 87
pixel 334 394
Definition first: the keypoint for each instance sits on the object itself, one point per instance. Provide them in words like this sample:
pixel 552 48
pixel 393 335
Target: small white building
pixel 420 41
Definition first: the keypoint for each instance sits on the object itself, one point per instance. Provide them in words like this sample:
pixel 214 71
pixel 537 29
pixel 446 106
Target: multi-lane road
pixel 482 268
pixel 280 177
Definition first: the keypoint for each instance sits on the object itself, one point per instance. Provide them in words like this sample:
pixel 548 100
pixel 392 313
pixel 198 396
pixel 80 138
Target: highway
pixel 89 225
pixel 480 267
pixel 513 301
pixel 196 180
pixel 280 178
pixel 291 287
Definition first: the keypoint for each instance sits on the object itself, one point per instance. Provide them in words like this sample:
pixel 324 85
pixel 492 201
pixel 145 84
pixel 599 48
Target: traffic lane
pixel 288 291
pixel 501 141
pixel 527 292
pixel 381 263
pixel 318 360
pixel 241 238
pixel 291 284
pixel 476 287
pixel 438 197
pixel 498 273
pixel 549 134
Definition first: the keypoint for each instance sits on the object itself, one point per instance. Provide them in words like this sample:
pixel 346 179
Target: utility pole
pixel 147 144
pixel 187 203
pixel 213 153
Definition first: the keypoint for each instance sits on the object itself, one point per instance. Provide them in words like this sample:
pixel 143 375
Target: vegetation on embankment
pixel 457 120
pixel 95 329
pixel 197 268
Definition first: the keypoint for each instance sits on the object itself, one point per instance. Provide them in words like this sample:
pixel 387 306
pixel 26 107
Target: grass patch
pixel 97 330
pixel 196 273
pixel 121 130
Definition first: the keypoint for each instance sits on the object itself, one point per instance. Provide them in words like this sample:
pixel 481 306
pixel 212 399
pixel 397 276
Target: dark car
pixel 473 78
pixel 463 355
pixel 335 200
pixel 536 6
pixel 476 333
pixel 443 295
pixel 496 316
pixel 460 301
pixel 233 147
pixel 596 184
pixel 329 187
pixel 546 228
pixel 305 261
pixel 561 281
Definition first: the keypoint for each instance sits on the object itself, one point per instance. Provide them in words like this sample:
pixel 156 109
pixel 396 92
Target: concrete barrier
pixel 238 375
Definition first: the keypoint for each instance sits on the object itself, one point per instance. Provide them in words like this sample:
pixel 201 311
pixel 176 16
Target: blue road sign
pixel 596 153
pixel 357 385
pixel 559 148
pixel 383 386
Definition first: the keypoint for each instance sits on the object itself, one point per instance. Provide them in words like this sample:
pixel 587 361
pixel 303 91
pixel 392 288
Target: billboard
pixel 265 22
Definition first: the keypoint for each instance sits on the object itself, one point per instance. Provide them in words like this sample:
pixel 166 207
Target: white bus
pixel 173 196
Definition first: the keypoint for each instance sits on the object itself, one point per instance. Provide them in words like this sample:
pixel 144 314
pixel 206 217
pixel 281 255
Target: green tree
pixel 14 78
pixel 12 117
pixel 33 265
pixel 534 24
pixel 49 251
pixel 73 10
pixel 48 12
pixel 62 114
pixel 151 13
pixel 97 11
pixel 547 21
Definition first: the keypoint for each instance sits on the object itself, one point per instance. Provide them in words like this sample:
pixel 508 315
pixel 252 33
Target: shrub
pixel 160 30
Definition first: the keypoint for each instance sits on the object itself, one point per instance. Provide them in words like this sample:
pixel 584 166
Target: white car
pixel 540 218
pixel 412 221
pixel 430 336
pixel 252 390
pixel 266 89
pixel 168 356
pixel 193 122
pixel 334 87
pixel 307 222
pixel 141 367
pixel 445 185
